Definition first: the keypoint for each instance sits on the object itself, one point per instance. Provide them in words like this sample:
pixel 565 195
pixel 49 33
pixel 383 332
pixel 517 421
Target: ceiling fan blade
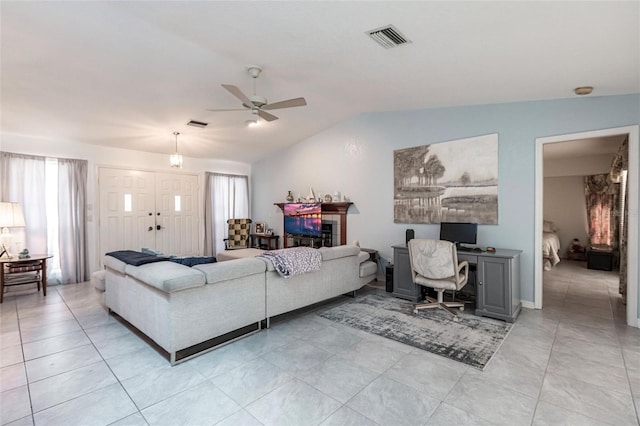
pixel 265 115
pixel 237 93
pixel 289 103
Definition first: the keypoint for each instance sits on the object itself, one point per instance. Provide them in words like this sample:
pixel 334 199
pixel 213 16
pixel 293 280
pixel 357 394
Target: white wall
pixel 356 158
pixel 564 200
pixel 578 166
pixel 122 158
pixel 564 204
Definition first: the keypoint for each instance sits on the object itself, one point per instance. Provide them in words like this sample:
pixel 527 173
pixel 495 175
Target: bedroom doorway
pixel 632 271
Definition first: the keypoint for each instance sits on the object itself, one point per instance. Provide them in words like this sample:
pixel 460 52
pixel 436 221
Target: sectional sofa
pixel 188 310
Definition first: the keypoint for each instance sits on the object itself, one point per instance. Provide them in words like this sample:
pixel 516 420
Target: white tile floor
pixel 65 361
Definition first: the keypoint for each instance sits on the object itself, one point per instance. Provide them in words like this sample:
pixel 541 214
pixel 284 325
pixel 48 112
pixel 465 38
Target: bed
pixel 550 245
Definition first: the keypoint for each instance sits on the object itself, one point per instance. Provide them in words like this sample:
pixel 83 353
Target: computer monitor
pixel 459 232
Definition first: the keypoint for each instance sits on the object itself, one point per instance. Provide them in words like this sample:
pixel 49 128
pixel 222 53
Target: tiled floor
pixel 65 361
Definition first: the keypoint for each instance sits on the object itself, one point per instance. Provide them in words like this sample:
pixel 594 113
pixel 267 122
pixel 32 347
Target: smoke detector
pixel 583 90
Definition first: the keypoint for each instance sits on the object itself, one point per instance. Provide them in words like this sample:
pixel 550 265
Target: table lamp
pixel 10 217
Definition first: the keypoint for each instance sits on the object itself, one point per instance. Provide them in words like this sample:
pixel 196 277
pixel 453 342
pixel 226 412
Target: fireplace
pixel 327 235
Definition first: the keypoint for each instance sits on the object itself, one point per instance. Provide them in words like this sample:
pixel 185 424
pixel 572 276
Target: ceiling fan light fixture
pixel 175 160
pixel 583 90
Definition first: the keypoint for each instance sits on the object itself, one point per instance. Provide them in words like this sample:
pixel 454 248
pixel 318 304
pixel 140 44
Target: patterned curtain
pixel 619 165
pixel 601 199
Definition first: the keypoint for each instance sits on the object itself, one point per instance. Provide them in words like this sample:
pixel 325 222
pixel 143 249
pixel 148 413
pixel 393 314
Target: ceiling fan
pixel 258 104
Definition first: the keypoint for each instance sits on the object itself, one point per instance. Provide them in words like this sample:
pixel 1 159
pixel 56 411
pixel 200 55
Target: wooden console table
pixel 339 209
pixel 17 271
pixel 264 241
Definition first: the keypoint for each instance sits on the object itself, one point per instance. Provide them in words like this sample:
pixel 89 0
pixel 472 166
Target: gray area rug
pixel 472 340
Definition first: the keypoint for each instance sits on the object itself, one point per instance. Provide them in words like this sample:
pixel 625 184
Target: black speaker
pixel 409 235
pixel 389 283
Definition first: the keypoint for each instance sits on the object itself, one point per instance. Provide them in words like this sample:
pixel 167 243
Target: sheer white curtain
pixel 226 197
pixel 52 193
pixel 23 181
pixel 72 193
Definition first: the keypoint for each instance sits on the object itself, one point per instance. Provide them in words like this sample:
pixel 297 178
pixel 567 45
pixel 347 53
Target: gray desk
pixel 497 282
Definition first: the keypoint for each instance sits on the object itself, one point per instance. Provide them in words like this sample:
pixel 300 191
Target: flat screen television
pixel 459 233
pixel 304 219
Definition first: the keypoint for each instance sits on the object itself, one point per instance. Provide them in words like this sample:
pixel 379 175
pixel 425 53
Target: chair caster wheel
pixel 415 311
pixel 461 308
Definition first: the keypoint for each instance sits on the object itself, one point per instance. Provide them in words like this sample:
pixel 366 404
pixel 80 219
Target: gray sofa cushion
pixel 368 268
pixel 231 269
pixel 115 264
pixel 167 276
pixel 329 253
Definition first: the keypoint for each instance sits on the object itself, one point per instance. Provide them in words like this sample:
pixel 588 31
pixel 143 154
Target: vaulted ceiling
pixel 129 74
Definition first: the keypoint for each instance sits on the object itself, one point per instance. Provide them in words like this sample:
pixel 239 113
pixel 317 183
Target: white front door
pixel 177 214
pixel 147 209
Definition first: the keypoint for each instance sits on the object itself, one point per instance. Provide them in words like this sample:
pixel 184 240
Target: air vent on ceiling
pixel 195 123
pixel 388 37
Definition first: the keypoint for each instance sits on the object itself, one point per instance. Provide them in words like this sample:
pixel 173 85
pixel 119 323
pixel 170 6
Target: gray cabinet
pixel 497 283
pixel 403 286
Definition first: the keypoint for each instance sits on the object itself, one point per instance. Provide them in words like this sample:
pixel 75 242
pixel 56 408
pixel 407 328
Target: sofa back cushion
pixel 231 269
pixel 336 252
pixel 167 276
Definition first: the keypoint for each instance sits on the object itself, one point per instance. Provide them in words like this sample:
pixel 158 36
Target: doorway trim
pixel 632 233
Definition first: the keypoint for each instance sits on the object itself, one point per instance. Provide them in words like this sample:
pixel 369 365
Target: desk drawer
pixel 472 259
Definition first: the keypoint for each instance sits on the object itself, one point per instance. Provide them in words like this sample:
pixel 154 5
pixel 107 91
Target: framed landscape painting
pixel 454 181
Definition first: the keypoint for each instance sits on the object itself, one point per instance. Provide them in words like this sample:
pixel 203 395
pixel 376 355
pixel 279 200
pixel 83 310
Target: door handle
pixel 158 227
pixel 150 228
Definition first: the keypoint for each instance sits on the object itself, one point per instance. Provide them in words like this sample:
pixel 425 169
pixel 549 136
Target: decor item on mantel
pixel 289 197
pixel 327 198
pixel 311 197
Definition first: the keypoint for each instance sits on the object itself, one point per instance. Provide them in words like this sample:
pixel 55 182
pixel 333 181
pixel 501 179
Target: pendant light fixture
pixel 176 159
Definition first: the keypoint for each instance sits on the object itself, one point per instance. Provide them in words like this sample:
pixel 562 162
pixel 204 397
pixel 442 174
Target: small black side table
pixel 373 254
pixel 264 241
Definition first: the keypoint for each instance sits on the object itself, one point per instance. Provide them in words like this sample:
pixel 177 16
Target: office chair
pixel 435 264
pixel 239 230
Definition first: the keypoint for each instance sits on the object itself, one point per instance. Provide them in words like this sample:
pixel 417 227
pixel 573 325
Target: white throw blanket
pixel 294 261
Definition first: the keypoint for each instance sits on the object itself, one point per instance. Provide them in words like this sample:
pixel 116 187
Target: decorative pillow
pixel 151 251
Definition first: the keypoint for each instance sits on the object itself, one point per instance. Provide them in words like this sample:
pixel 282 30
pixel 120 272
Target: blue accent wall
pixel 355 158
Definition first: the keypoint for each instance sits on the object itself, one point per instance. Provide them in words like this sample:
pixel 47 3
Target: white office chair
pixel 435 264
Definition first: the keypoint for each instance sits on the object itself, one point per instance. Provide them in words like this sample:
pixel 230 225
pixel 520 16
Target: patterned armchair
pixel 239 230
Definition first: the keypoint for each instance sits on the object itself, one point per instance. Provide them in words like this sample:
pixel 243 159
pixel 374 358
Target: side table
pixel 264 241
pixel 17 271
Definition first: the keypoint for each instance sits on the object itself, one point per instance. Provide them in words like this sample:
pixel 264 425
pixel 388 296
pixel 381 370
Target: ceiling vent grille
pixel 195 123
pixel 388 37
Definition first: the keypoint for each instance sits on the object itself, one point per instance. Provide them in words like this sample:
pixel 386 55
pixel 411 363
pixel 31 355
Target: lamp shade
pixel 11 215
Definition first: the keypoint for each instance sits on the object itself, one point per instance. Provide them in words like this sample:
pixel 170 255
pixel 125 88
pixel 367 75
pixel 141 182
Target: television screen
pixel 303 219
pixel 458 232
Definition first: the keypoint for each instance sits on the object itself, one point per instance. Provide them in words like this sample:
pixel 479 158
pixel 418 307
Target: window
pixel 128 206
pixel 227 197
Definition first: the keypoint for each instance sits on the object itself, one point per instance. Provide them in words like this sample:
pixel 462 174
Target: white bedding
pixel 550 248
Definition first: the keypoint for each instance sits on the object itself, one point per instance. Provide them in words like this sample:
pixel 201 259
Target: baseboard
pixel 527 304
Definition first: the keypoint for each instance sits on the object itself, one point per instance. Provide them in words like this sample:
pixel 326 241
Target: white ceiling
pixel 128 74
